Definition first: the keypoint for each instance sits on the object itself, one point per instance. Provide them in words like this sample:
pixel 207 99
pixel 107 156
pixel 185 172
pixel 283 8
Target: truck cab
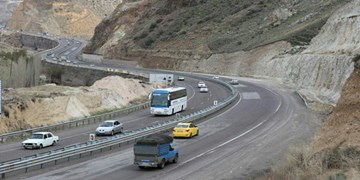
pixel 155 151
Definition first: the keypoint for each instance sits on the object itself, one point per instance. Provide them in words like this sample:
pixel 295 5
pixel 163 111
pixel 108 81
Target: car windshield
pixel 159 100
pixel 106 124
pixel 182 126
pixel 36 136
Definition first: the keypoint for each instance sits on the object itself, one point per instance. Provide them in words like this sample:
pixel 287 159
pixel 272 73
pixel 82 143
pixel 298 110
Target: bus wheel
pixel 182 108
pixel 173 111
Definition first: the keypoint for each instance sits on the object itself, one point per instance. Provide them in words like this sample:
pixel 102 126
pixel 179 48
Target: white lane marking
pixel 237 103
pixel 251 95
pixel 193 91
pixel 231 140
pixel 10 150
pixel 136 119
pixel 271 91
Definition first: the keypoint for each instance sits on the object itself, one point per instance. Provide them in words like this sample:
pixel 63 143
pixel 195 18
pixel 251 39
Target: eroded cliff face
pixel 319 72
pixel 6 9
pixel 62 17
pixel 264 39
pixel 19 70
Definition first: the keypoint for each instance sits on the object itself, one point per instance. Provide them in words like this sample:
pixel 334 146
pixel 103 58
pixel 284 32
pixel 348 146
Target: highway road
pixel 239 142
pixel 242 141
pixel 133 121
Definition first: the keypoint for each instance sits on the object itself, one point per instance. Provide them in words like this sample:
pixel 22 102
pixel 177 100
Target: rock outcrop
pixel 63 17
pixel 29 107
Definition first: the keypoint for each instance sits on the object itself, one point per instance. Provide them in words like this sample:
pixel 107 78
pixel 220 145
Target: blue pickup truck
pixel 154 151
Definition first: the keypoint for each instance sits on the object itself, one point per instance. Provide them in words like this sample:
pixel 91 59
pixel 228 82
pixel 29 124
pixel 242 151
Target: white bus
pixel 168 101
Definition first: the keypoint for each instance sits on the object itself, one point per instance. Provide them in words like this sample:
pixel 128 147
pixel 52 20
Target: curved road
pixel 236 144
pixel 135 120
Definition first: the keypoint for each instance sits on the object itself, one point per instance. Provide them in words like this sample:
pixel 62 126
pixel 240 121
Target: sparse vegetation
pixel 303 163
pixel 252 23
pixel 14 56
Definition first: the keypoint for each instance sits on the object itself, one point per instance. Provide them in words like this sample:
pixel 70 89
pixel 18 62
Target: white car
pixel 215 77
pixel 40 140
pixel 204 90
pixel 234 82
pixel 181 78
pixel 109 127
pixel 201 84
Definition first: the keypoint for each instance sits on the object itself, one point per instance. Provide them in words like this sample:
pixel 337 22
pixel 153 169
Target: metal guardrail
pixel 74 123
pixel 90 147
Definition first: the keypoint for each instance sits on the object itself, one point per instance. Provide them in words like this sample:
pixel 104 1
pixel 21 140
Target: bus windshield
pixel 159 100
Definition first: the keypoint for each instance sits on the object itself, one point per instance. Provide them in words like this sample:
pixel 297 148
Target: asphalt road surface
pixel 239 142
pixel 143 118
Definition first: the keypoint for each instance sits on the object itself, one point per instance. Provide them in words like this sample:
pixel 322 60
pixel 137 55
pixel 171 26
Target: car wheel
pixel 190 135
pixel 197 133
pixel 122 129
pixel 141 167
pixel 112 133
pixel 176 158
pixel 173 112
pixel 54 143
pixel 182 108
pixel 162 164
pixel 41 146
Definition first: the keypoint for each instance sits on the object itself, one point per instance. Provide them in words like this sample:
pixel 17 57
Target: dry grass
pixel 305 163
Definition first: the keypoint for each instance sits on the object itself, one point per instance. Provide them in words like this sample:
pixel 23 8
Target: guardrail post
pixel 3 175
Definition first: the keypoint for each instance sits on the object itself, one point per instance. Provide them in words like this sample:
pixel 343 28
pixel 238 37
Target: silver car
pixel 204 89
pixel 109 127
pixel 201 84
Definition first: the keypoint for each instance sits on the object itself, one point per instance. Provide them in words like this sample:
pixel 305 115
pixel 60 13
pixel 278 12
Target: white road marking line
pixel 17 148
pixel 193 91
pixel 231 140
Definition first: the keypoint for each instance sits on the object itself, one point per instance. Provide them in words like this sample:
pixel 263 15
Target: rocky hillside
pixel 231 37
pixel 312 46
pixel 6 9
pixel 29 107
pixel 63 17
pixel 198 28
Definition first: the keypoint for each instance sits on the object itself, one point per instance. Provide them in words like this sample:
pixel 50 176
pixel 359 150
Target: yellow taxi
pixel 185 130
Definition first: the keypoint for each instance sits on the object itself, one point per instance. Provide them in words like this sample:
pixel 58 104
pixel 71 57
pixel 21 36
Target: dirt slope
pixel 63 17
pixel 30 107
